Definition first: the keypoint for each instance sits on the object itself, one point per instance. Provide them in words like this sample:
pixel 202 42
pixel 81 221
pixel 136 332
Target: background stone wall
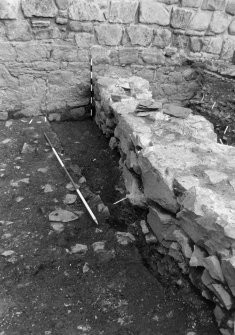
pixel 45 47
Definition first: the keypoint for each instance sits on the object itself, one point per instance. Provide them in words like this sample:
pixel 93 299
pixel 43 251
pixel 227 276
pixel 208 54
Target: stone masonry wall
pixel 173 165
pixel 45 47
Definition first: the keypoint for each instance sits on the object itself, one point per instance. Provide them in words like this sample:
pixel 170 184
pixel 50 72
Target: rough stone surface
pixel 18 31
pixel 153 12
pixel 230 7
pixel 140 35
pixel 213 4
pixel 44 8
pixel 123 11
pixel 9 9
pixel 200 21
pixel 220 22
pixel 180 18
pixel 109 34
pixel 83 10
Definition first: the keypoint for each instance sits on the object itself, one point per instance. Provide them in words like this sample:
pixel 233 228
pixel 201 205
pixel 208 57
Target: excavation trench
pixel 87 147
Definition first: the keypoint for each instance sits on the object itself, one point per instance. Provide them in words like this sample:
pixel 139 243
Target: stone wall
pixel 45 47
pixel 173 165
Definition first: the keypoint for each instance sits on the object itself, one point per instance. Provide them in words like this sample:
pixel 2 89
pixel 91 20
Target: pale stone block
pixel 191 3
pixel 7 52
pixel 65 53
pixel 216 176
pixel 180 18
pixel 84 40
pixel 213 4
pixel 109 34
pixel 162 37
pixel 135 196
pixel 123 11
pixel 219 22
pixel 44 8
pixel 200 21
pixel 62 4
pixel 231 28
pixel 18 30
pixel 100 55
pixel 140 35
pixel 83 10
pixel 231 7
pixel 213 45
pixel 9 9
pixel 228 48
pixel 86 27
pixel 153 56
pixel 31 51
pixel 153 12
pixel 223 295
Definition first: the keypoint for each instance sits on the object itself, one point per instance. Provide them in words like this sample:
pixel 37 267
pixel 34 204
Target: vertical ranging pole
pixel 91 102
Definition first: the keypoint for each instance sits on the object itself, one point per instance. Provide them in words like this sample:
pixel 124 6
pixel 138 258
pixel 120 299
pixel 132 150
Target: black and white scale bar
pixel 91 101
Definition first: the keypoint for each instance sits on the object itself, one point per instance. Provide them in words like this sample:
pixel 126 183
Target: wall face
pixel 45 47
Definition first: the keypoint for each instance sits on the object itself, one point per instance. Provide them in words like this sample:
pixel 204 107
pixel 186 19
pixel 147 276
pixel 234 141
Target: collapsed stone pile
pixel 172 164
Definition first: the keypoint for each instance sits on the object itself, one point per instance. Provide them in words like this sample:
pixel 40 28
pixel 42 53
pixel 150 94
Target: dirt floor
pixel 47 285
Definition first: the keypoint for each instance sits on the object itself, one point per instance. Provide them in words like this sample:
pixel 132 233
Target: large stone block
pixel 180 18
pixel 128 56
pixel 84 10
pixel 100 55
pixel 109 34
pixel 84 40
pixel 44 8
pixel 7 52
pixel 230 7
pixel 162 37
pixel 64 53
pixel 153 12
pixel 191 3
pixel 213 4
pixel 200 21
pixel 157 179
pixel 228 48
pixel 231 28
pixel 207 222
pixel 140 35
pixel 62 4
pixel 123 11
pixel 153 56
pixel 219 22
pixel 18 30
pixel 132 185
pixel 9 9
pixel 32 51
pixel 85 27
pixel 212 45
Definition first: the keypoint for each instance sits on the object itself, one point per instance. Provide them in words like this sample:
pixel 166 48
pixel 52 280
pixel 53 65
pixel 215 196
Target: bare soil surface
pixel 47 287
